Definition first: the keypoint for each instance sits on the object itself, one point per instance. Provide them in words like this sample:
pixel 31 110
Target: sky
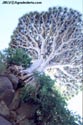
pixel 9 15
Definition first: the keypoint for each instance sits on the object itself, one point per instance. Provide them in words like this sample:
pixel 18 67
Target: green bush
pixel 52 107
pixel 27 93
pixel 17 56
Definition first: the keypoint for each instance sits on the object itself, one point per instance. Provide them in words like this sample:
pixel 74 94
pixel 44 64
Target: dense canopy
pixel 54 40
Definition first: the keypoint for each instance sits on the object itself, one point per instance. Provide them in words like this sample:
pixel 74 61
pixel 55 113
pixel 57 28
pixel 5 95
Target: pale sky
pixel 9 15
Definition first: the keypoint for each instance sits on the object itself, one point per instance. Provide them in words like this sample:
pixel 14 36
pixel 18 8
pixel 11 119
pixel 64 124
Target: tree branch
pixel 32 48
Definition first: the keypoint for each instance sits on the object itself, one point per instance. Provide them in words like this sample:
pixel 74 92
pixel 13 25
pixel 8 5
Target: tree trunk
pixel 37 65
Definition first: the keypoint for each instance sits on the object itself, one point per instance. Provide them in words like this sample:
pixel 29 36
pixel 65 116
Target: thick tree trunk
pixel 37 65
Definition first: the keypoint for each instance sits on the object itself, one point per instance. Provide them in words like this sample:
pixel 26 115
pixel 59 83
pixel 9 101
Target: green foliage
pixel 2 63
pixel 52 107
pixel 45 82
pixel 27 93
pixel 17 56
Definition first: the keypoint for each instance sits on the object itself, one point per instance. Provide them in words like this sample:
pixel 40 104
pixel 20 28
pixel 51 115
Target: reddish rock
pixel 4 110
pixel 14 80
pixel 3 121
pixel 8 96
pixel 20 118
pixel 13 116
pixel 26 110
pixel 16 101
pixel 5 84
pixel 24 122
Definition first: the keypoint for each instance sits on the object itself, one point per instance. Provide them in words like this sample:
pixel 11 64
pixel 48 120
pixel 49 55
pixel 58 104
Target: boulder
pixel 8 96
pixel 3 121
pixel 26 110
pixel 14 80
pixel 6 89
pixel 16 101
pixel 13 116
pixel 24 122
pixel 4 110
pixel 5 84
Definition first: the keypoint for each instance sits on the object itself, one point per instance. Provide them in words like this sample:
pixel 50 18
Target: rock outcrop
pixel 4 121
pixel 13 111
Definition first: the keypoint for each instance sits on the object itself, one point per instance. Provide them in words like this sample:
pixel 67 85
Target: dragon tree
pixel 53 39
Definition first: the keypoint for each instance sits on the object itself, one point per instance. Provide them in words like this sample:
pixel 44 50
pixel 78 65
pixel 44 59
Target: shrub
pixel 52 107
pixel 17 56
